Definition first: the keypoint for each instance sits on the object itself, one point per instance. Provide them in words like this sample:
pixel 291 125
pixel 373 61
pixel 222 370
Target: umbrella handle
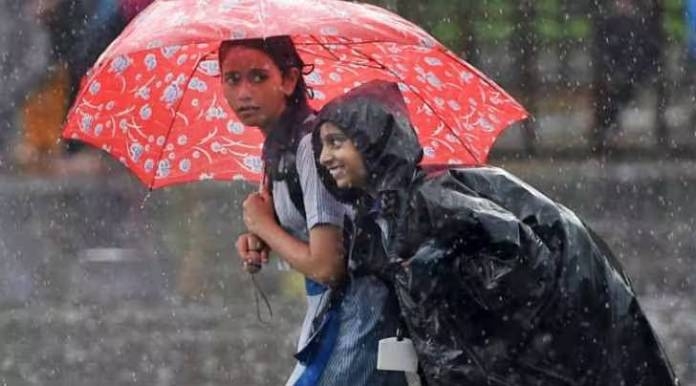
pixel 263 186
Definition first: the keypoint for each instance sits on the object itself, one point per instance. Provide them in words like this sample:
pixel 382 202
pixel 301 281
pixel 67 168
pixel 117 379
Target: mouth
pixel 337 172
pixel 247 110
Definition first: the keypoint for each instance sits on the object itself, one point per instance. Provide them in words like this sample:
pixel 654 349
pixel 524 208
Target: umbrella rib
pixel 424 101
pixel 169 132
pixel 216 42
pixel 352 43
pixel 335 57
pixel 488 81
pixel 351 62
pixel 323 45
pixel 261 15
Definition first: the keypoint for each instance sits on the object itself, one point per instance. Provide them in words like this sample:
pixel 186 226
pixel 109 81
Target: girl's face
pixel 342 159
pixel 254 86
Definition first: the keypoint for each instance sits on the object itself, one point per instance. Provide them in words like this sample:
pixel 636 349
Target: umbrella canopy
pixel 154 98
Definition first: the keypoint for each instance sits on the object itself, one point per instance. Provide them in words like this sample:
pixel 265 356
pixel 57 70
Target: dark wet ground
pixel 99 288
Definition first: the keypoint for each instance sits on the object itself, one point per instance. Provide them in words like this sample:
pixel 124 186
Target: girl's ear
pixel 290 79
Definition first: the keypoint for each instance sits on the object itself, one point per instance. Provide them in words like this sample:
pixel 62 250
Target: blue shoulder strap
pixel 316 355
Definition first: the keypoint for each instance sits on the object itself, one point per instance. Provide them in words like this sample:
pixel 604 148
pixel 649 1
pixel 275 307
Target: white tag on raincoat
pixel 397 355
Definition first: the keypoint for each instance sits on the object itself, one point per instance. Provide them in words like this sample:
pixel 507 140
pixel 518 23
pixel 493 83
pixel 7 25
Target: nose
pixel 325 156
pixel 243 91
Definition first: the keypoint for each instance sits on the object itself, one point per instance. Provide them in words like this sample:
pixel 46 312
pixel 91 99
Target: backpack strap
pixel 286 170
pixel 292 179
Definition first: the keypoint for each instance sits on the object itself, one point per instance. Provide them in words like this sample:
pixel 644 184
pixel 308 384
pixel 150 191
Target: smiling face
pixel 255 87
pixel 341 158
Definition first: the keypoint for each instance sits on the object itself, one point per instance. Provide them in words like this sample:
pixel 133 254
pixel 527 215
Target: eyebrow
pixel 332 136
pixel 260 69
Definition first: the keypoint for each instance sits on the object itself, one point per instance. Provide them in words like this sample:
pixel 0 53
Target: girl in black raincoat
pixel 497 284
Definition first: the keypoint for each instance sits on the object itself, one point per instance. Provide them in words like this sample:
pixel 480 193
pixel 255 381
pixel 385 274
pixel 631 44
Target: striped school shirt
pixel 347 353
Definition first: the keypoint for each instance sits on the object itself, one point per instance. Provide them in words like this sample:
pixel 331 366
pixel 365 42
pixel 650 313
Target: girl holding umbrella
pixel 346 316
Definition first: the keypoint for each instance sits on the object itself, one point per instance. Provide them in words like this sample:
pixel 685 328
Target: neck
pixel 268 126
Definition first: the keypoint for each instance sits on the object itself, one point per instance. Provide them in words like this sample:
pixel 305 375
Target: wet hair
pixel 282 52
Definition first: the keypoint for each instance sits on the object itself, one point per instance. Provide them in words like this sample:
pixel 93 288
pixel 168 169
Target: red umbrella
pixel 154 98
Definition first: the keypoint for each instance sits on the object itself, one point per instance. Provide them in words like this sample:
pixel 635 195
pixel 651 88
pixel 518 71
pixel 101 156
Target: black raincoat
pixel 497 284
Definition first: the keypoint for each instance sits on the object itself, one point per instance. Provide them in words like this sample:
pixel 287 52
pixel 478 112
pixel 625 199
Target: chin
pixel 250 122
pixel 343 184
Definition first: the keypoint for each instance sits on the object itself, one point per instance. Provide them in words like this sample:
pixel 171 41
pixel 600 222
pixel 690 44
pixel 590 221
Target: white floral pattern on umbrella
pixel 154 99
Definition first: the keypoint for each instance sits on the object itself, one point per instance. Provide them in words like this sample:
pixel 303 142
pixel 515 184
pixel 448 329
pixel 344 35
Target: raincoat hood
pixel 375 117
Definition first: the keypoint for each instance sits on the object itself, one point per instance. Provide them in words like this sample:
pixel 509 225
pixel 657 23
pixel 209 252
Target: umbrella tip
pixel 147 196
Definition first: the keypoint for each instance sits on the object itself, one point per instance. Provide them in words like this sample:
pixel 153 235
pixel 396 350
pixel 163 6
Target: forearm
pixel 325 266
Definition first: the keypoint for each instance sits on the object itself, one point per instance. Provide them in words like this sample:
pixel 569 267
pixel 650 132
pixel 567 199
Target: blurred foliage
pixel 493 21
